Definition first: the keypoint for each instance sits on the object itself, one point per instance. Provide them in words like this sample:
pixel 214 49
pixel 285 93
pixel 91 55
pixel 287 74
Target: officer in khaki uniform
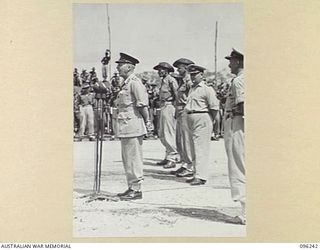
pixel 234 132
pixel 201 108
pixel 132 119
pixel 183 139
pixel 167 128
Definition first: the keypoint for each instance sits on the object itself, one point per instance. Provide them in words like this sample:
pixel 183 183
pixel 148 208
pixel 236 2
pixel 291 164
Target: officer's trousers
pixel 167 131
pixel 200 128
pixel 114 114
pixel 234 144
pixel 132 159
pixel 86 119
pixel 183 140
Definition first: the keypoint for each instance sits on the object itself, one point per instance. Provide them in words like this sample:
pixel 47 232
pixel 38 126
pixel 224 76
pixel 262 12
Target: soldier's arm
pixel 142 100
pixel 213 103
pixel 173 84
pixel 238 91
pixel 144 113
pixel 188 86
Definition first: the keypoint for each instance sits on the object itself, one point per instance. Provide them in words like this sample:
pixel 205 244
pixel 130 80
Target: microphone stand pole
pixel 97 194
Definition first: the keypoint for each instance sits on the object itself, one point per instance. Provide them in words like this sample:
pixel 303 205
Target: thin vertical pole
pixel 109 36
pixel 215 52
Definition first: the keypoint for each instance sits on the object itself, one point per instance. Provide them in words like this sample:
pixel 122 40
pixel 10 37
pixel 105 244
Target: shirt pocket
pixel 165 93
pixel 124 98
pixel 130 124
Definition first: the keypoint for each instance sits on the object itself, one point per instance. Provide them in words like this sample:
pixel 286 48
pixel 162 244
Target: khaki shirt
pixel 237 88
pixel 132 95
pixel 202 98
pixel 236 92
pixel 229 101
pixel 168 89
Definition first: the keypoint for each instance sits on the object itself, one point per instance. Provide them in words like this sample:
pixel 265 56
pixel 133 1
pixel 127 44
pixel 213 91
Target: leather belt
pixel 164 103
pixel 197 112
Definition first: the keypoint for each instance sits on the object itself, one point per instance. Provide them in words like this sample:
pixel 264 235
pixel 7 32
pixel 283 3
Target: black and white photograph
pixel 158 120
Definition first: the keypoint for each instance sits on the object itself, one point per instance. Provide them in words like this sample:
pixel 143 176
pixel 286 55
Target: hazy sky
pixel 156 32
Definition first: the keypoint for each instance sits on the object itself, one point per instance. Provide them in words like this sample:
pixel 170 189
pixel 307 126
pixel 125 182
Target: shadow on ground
pixel 152 159
pixel 83 191
pixel 149 163
pixel 86 192
pixel 162 175
pixel 203 214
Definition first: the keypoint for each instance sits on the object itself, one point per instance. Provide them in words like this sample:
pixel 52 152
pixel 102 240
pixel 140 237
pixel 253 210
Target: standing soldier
pixel 86 101
pixel 132 119
pixel 223 89
pixel 201 107
pixel 76 109
pixel 105 60
pixel 182 134
pixel 93 76
pixel 217 120
pixel 167 129
pixel 76 79
pixel 115 89
pixel 234 132
pixel 146 82
pixel 82 75
pixel 155 107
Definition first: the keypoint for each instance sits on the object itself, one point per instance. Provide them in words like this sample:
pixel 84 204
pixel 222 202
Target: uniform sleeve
pixel 174 86
pixel 140 93
pixel 213 102
pixel 238 90
pixel 188 85
pixel 174 83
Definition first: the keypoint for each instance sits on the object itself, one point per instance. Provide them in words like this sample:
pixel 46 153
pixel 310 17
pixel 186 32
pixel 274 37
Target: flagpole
pixel 109 37
pixel 215 52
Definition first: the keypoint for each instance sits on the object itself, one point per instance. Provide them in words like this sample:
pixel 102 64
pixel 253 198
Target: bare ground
pixel 170 207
